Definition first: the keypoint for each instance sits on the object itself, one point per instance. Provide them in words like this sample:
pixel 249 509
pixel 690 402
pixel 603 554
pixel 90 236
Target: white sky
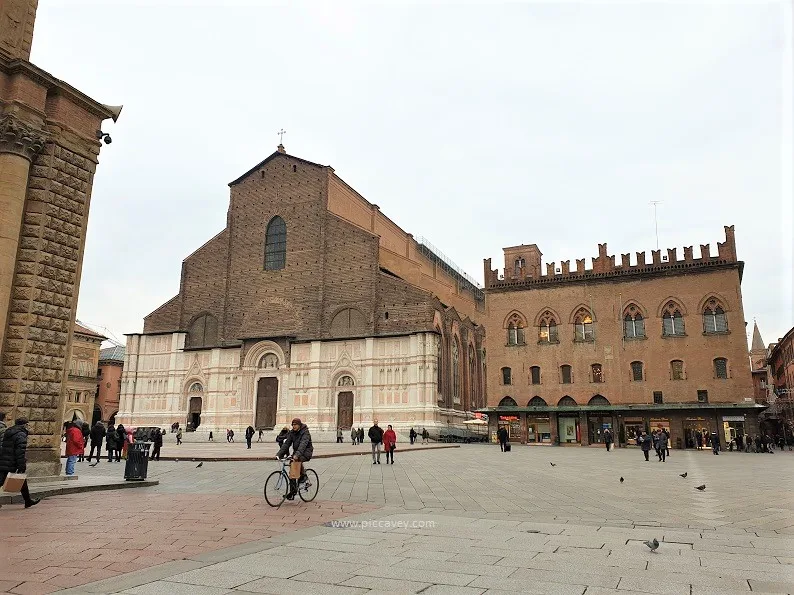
pixel 476 125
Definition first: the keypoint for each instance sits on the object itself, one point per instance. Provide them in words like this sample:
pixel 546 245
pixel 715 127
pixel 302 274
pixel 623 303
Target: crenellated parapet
pixel 521 271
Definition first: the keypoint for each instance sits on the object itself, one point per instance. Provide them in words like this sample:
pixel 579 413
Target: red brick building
pixel 781 367
pixel 108 390
pixel 627 346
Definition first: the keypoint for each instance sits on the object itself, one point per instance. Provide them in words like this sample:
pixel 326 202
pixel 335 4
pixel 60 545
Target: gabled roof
pixel 268 160
pixel 115 353
pixel 758 342
pixel 79 328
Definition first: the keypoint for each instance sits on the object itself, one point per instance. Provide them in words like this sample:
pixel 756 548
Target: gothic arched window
pixel 508 402
pixel 672 320
pixel 547 329
pixel 515 329
pixel 276 244
pixel 455 372
pixel 583 326
pixel 714 319
pixel 633 323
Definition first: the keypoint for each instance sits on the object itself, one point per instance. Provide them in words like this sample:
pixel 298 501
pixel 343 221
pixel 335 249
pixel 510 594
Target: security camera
pixel 104 136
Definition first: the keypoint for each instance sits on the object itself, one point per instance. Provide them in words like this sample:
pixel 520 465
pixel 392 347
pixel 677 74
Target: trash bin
pixel 137 461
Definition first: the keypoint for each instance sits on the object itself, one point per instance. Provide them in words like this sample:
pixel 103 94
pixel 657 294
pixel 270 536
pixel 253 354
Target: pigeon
pixel 653 545
pixel 552 464
pixel 199 465
pixel 701 488
pixel 621 480
pixel 684 474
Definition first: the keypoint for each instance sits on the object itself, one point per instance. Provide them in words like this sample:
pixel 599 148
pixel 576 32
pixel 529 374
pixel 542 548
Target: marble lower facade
pixel 328 384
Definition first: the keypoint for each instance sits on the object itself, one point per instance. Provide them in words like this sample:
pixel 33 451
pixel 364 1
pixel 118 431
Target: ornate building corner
pixel 19 138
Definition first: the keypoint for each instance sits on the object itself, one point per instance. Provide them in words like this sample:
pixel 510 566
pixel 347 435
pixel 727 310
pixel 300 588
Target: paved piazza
pixel 462 520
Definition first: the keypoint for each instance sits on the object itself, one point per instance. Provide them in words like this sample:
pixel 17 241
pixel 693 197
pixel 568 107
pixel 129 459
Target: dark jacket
pixel 98 432
pixel 12 451
pixel 282 436
pixel 301 443
pixel 375 434
pixel 501 435
pixel 158 439
pixel 110 442
pixel 249 433
pixel 645 442
pixel 121 436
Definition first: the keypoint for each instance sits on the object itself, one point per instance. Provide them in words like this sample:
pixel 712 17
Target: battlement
pixel 518 272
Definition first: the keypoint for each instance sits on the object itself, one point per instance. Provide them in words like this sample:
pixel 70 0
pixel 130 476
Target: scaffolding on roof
pixel 466 282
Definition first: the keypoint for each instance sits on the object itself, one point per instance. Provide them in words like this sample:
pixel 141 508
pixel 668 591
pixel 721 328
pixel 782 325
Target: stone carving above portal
pixel 20 138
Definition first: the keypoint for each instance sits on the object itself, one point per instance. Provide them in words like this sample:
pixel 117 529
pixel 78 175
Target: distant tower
pixel 757 350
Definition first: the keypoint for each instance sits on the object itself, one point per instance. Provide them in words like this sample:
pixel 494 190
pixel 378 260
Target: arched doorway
pixel 344 403
pixel 195 394
pixel 266 403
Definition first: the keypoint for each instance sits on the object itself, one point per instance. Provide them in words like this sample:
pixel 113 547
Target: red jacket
pixel 389 439
pixel 74 441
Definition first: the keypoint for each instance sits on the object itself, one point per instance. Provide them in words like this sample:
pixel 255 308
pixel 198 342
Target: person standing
pixel 259 438
pixel 249 435
pixel 376 437
pixel 157 441
pixel 211 439
pixel 354 436
pixel 412 435
pixel 339 436
pixel 645 444
pixel 739 442
pixel 667 441
pixel 121 438
pixel 231 435
pixel 13 451
pixel 110 442
pixel 389 444
pixel 608 438
pixel 179 437
pixel 501 436
pixel 74 445
pixel 301 441
pixel 662 446
pixel 425 436
pixel 715 443
pixel 361 435
pixel 98 433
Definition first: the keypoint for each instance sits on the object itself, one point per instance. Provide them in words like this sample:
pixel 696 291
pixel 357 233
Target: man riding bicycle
pixel 301 442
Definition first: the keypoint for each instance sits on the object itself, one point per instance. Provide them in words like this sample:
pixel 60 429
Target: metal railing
pixel 446 263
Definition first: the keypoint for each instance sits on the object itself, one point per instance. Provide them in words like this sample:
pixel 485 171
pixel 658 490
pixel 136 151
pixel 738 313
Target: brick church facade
pixel 311 303
pixel 625 346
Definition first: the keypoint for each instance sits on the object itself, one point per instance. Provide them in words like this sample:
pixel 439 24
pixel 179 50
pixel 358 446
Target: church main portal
pixel 266 403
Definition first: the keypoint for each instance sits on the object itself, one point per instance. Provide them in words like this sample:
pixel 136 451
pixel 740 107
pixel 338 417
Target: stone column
pixel 19 142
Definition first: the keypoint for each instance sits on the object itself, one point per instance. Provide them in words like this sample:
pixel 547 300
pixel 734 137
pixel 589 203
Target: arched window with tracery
pixel 203 332
pixel 515 330
pixel 583 325
pixel 714 319
pixel 672 320
pixel 633 323
pixel 455 372
pixel 547 329
pixel 508 402
pixel 472 377
pixel 276 244
pixel 440 366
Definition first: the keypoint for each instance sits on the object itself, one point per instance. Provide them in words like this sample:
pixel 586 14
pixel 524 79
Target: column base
pixel 43 461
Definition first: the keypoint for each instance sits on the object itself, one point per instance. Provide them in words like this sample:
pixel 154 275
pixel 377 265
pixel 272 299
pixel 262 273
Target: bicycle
pixel 277 484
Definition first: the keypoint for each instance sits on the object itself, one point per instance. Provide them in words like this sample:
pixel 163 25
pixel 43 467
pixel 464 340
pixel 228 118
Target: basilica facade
pixel 311 303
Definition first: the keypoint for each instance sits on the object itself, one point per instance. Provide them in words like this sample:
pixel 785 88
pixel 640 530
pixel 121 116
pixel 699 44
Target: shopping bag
pixel 14 482
pixel 295 470
pixel 507 447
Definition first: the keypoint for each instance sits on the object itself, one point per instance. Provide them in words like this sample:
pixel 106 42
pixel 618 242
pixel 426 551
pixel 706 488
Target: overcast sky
pixel 477 126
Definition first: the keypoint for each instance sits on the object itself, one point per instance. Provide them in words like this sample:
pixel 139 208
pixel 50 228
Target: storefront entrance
pixel 538 430
pixel 696 432
pixel 596 424
pixel 568 430
pixel 732 426
pixel 633 428
pixel 513 426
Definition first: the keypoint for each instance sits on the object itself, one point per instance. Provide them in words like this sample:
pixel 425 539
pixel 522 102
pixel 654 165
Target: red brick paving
pixel 67 541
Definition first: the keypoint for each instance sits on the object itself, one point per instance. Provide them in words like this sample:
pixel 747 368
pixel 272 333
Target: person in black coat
pixel 85 429
pixel 110 442
pixel 121 438
pixel 157 440
pixel 98 433
pixel 501 435
pixel 282 436
pixel 249 435
pixel 12 456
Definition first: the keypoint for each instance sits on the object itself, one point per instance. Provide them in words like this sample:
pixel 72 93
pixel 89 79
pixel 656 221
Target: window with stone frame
pixel 547 329
pixel 637 371
pixel 472 377
pixel 507 376
pixel 455 371
pixel 515 330
pixel 566 375
pixel 677 369
pixel 721 368
pixel 714 318
pixel 583 326
pixel 534 375
pixel 276 244
pixel 596 373
pixel 673 320
pixel 517 266
pixel 633 323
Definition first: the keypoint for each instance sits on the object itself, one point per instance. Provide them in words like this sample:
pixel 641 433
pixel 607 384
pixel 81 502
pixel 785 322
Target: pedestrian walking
pixel 74 445
pixel 211 439
pixel 748 443
pixel 376 437
pixel 425 436
pixel 389 444
pixel 98 433
pixel 412 435
pixel 667 442
pixel 662 446
pixel 739 443
pixel 501 436
pixel 645 444
pixel 715 443
pixel 259 438
pixel 354 436
pixel 158 444
pixel 179 437
pixel 361 435
pixel 110 442
pixel 608 438
pixel 249 435
pixel 339 439
pixel 85 430
pixel 231 435
pixel 13 455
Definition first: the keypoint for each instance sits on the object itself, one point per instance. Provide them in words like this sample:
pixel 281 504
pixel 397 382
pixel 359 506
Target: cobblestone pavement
pixel 474 520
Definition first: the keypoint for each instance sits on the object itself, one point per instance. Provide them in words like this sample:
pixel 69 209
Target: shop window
pixel 677 369
pixel 721 368
pixel 636 371
pixel 703 396
pixel 534 374
pixel 507 377
pixel 565 374
pixel 658 399
pixel 596 373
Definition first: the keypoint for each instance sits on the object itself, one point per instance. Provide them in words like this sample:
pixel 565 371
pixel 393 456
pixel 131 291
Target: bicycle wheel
pixel 308 489
pixel 276 488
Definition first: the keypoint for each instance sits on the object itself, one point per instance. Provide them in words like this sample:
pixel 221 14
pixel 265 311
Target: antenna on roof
pixel 655 221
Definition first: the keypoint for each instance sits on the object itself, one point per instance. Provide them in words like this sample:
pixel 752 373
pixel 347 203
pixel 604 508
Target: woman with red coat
pixel 75 445
pixel 389 444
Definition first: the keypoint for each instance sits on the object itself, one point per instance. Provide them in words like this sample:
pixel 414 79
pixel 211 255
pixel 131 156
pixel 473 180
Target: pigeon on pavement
pixel 552 464
pixel 684 474
pixel 701 488
pixel 621 480
pixel 653 545
pixel 199 465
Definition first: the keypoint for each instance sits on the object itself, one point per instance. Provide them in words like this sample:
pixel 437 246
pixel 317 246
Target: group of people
pixel 761 443
pixel 659 439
